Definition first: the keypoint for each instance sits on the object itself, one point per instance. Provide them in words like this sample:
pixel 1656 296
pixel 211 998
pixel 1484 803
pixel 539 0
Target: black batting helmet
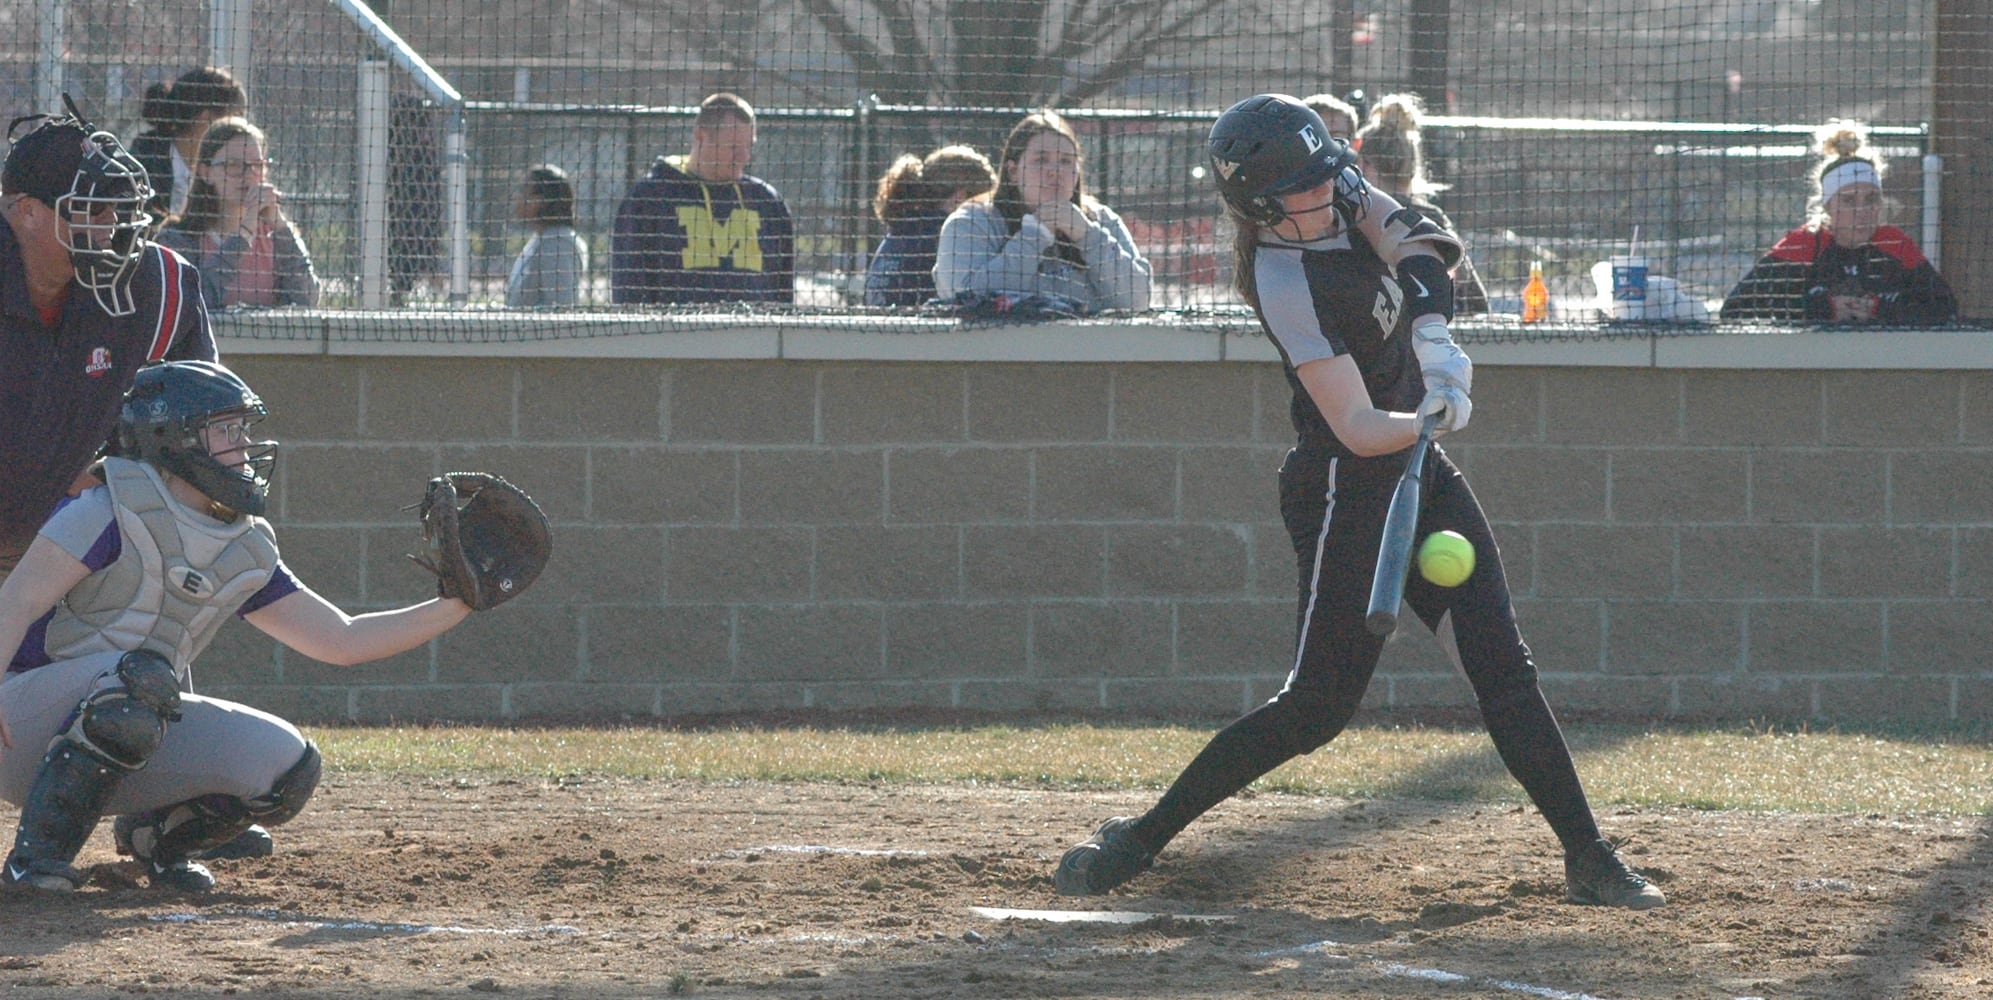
pixel 165 421
pixel 1271 144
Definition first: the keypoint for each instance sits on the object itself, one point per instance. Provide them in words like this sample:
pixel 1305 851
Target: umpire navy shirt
pixel 61 388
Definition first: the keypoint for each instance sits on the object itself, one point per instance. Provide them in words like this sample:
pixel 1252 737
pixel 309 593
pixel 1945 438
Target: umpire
pixel 84 301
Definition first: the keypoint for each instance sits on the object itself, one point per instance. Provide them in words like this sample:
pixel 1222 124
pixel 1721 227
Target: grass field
pixel 1941 772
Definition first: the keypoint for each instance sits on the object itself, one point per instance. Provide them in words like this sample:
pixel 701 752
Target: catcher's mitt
pixel 487 540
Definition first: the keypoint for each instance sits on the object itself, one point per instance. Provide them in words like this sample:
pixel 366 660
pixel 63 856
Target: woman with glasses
pixel 234 228
pixel 1844 265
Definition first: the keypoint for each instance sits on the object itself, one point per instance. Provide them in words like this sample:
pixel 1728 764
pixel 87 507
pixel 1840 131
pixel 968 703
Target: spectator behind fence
pixel 1843 265
pixel 699 228
pixel 914 196
pixel 1039 232
pixel 1392 154
pixel 77 316
pixel 176 115
pixel 234 228
pixel 549 271
pixel 1339 115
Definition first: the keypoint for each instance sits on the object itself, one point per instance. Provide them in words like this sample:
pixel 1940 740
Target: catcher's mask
pixel 1271 144
pixel 97 190
pixel 165 422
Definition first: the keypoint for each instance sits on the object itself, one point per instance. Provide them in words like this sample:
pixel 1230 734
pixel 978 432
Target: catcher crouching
pixel 127 583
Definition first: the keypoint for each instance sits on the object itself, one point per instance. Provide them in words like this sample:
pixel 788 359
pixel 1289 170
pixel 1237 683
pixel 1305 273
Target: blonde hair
pixel 1329 104
pixel 1840 142
pixel 1390 147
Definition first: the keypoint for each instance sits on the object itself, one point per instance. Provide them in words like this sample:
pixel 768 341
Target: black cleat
pixel 1105 860
pixel 44 874
pixel 254 842
pixel 140 839
pixel 1596 877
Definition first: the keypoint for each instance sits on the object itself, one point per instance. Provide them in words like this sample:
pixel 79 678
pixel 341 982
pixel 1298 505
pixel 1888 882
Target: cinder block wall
pixel 775 534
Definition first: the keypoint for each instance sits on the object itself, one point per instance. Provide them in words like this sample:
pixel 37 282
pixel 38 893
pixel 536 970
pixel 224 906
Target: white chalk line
pixel 867 852
pixel 1398 970
pixel 323 923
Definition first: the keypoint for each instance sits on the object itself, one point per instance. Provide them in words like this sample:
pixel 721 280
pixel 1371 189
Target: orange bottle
pixel 1535 296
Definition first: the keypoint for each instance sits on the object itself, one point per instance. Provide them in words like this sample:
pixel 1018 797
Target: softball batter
pixel 1368 354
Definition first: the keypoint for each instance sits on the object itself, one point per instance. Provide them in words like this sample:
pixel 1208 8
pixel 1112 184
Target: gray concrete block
pixel 1540 483
pixel 954 640
pixel 555 476
pixel 511 644
pixel 584 400
pixel 353 484
pixel 1508 406
pixel 1940 637
pixel 1815 637
pixel 1038 403
pixel 1052 560
pixel 1106 483
pixel 1819 486
pixel 870 562
pixel 607 564
pixel 583 701
pixel 1563 635
pixel 1247 636
pixel 1674 638
pixel 1892 409
pixel 1101 639
pixel 1929 486
pixel 1177 561
pixel 1757 409
pixel 1184 403
pixel 663 485
pixel 452 703
pixel 439 399
pixel 812 486
pixel 893 404
pixel 311 399
pixel 651 645
pixel 1747 562
pixel 296 703
pixel 1611 406
pixel 811 643
pixel 738 564
pixel 1745 696
pixel 957 485
pixel 1679 486
pixel 1604 560
pixel 1912 699
pixel 1882 562
pixel 742 403
pixel 1230 484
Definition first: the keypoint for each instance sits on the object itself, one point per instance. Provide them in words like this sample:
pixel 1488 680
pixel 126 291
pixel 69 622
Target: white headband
pixel 1846 173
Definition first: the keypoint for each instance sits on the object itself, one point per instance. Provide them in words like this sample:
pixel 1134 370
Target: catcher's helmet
pixel 165 421
pixel 94 185
pixel 1271 144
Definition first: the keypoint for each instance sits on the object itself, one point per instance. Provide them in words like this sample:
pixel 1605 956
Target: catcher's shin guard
pixel 114 732
pixel 171 834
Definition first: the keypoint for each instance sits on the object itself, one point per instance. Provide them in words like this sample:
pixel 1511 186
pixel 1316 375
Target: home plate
pixel 1093 916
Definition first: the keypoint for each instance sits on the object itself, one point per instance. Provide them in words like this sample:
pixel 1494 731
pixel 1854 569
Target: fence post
pixel 229 22
pixel 371 203
pixel 49 46
pixel 456 180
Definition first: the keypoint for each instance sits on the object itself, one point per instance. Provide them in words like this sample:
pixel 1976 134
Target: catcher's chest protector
pixel 177 576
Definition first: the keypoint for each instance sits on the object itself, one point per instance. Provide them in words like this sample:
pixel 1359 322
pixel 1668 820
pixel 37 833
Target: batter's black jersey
pixel 1330 297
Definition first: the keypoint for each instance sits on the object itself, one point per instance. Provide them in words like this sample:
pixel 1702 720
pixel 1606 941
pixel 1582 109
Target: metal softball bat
pixel 1394 552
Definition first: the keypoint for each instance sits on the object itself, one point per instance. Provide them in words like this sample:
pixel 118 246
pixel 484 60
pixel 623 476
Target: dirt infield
pixel 399 888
